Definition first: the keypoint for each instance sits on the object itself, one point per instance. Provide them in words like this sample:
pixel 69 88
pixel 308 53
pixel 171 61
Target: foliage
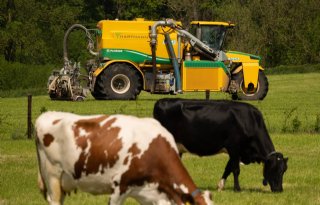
pixel 283 32
pixel 291 121
pixel 317 124
pixel 283 69
pixel 17 79
pixel 274 30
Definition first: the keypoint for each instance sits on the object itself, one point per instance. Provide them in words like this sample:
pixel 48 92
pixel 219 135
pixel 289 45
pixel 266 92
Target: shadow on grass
pixel 243 190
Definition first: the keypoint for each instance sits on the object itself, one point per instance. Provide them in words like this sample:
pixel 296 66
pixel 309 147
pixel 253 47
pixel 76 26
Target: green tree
pixel 283 32
pixel 190 10
pixel 148 9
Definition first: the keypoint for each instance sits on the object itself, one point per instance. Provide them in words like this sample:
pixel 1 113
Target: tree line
pixel 284 32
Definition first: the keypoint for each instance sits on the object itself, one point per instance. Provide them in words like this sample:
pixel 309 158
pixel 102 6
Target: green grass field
pixel 291 111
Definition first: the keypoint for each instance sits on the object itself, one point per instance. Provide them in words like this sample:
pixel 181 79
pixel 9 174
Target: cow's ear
pixel 286 159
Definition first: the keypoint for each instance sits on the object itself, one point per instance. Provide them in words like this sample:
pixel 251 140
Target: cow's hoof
pixel 221 184
pixel 237 189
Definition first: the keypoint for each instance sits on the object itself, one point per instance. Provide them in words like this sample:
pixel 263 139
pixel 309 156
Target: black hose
pixel 174 62
pixel 66 35
pixel 154 67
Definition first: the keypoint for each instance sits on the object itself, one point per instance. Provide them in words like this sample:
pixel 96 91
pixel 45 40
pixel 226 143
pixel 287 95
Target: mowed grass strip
pixel 18 178
pixel 292 105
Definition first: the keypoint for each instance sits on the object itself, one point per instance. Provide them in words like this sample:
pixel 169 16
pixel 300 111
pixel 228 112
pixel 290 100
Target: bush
pixel 293 69
pixel 18 79
pixel 317 124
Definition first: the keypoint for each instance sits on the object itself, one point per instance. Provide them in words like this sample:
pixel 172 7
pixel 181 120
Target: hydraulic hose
pixel 153 45
pixel 174 62
pixel 154 67
pixel 66 35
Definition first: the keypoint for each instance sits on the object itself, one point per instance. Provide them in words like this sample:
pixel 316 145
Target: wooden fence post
pixel 29 116
pixel 207 94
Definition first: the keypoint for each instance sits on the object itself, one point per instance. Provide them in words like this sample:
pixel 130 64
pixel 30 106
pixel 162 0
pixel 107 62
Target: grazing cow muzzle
pixel 274 168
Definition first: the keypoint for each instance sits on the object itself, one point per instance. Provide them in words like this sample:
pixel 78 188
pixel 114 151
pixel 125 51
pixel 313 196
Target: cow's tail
pixel 41 183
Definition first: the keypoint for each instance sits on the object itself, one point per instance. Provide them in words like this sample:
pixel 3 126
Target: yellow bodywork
pixel 133 36
pixel 129 42
pixel 248 64
pixel 202 75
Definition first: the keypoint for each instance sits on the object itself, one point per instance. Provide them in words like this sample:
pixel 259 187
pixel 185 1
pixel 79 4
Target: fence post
pixel 29 116
pixel 207 94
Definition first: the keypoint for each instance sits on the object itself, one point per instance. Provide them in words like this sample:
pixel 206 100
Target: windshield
pixel 211 35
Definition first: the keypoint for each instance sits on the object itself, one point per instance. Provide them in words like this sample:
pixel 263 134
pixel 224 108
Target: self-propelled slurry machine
pixel 158 57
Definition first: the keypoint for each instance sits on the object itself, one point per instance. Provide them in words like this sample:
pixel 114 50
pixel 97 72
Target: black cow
pixel 207 127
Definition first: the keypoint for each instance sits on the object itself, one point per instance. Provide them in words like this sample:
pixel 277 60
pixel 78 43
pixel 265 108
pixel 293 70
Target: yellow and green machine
pixel 161 57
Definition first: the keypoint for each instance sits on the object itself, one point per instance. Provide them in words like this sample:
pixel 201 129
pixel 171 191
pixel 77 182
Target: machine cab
pixel 212 34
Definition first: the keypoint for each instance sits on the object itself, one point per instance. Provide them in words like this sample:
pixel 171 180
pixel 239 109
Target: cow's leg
pixel 116 198
pixel 225 175
pixel 51 176
pixel 41 185
pixel 236 173
pixel 55 195
pixel 232 166
pixel 49 179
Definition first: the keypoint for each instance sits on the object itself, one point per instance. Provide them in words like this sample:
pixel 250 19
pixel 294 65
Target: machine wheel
pixel 257 93
pixel 120 81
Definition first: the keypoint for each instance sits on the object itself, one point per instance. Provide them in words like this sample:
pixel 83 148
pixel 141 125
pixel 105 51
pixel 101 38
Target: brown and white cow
pixel 121 155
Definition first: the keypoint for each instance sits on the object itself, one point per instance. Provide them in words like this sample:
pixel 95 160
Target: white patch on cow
pixel 82 132
pixel 148 194
pixel 182 187
pixel 207 197
pixel 63 134
pixel 221 184
pixel 67 182
pixel 86 151
pixel 105 153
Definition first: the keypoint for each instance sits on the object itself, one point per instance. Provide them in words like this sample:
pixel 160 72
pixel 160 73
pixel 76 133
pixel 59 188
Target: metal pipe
pixel 153 31
pixel 194 41
pixel 66 35
pixel 179 48
pixel 174 62
pixel 153 45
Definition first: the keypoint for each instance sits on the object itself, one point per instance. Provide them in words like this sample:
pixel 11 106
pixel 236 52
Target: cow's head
pixel 273 171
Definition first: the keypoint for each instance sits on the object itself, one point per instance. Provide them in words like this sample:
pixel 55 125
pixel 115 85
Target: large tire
pixel 258 93
pixel 119 81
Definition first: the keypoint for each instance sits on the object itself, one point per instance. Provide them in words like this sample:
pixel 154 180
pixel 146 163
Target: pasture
pixel 291 111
